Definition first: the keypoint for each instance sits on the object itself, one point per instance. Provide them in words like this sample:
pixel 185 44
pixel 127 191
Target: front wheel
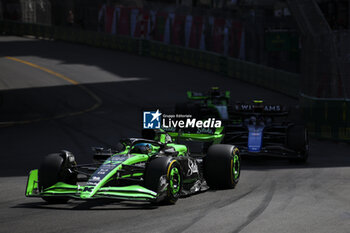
pixel 222 166
pixel 53 170
pixel 167 170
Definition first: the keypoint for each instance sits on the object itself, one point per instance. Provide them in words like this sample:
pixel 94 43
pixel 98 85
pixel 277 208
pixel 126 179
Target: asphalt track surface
pixel 41 112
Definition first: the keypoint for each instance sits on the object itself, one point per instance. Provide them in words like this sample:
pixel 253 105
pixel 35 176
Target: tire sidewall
pixel 172 198
pixel 218 166
pixel 158 167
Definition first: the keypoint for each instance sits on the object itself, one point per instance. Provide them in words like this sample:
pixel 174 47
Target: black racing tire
pixel 298 140
pixel 222 166
pixel 164 166
pixel 50 172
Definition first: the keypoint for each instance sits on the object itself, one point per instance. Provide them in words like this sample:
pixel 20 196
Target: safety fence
pixel 256 38
pixel 325 85
pixel 325 79
pixel 223 35
pixel 254 35
pixel 325 118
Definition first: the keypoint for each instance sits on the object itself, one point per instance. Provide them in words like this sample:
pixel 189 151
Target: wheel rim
pixel 174 180
pixel 236 167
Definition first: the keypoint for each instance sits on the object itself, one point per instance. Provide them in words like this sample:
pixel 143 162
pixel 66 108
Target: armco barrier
pixel 277 80
pixel 325 118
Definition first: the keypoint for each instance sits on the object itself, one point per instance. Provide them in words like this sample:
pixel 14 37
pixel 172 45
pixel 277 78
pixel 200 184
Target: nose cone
pixel 87 193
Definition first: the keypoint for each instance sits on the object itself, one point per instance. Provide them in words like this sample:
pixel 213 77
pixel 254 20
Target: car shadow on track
pixel 89 205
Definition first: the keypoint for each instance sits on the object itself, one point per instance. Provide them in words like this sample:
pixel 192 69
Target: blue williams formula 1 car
pixel 151 168
pixel 255 128
pixel 262 129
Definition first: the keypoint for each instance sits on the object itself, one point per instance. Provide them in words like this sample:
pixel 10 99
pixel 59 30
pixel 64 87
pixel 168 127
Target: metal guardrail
pixel 325 118
pixel 277 80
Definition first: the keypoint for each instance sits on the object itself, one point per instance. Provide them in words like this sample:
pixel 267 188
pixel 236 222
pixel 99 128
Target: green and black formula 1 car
pixel 213 103
pixel 151 168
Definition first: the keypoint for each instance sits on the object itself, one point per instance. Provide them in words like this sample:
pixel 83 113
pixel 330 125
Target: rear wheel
pixel 298 140
pixel 222 166
pixel 169 170
pixel 53 170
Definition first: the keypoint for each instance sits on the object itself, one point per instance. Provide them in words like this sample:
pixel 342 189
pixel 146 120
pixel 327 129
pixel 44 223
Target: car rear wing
pixel 242 109
pixel 196 95
pixel 197 133
pixel 197 140
pixel 192 95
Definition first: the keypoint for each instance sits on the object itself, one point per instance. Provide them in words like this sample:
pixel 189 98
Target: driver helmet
pixel 258 106
pixel 252 120
pixel 142 148
pixel 215 92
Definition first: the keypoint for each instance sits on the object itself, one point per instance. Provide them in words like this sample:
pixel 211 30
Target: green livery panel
pixel 32 183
